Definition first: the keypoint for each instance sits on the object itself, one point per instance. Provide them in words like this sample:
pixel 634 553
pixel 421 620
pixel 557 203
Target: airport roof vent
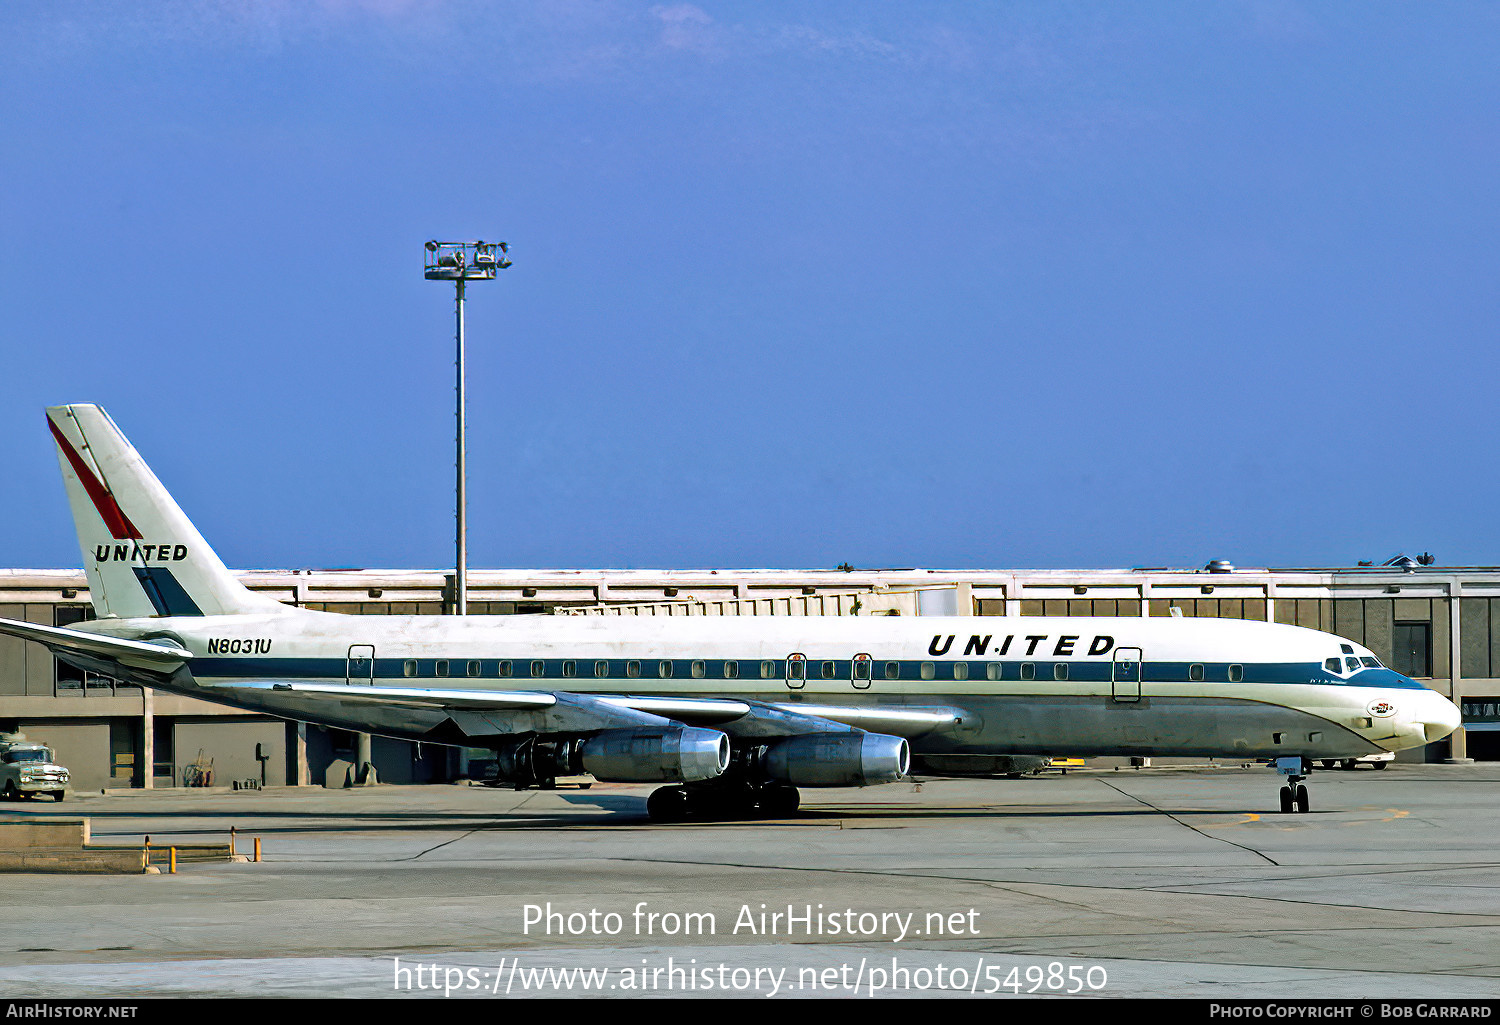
pixel 1404 561
pixel 1220 566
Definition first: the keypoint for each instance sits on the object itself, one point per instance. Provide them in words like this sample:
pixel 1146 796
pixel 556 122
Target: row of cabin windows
pixel 506 668
pixel 796 669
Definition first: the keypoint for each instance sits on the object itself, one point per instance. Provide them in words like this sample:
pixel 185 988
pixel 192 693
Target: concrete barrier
pixel 20 834
pixel 96 861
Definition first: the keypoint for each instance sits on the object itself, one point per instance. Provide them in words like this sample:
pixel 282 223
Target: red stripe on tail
pixel 114 517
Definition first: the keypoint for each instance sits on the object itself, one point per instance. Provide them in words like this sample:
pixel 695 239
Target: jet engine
pixel 838 759
pixel 676 755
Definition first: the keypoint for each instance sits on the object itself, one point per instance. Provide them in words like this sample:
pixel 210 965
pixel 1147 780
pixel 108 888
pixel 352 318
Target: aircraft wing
pixel 398 697
pixel 486 712
pixel 146 654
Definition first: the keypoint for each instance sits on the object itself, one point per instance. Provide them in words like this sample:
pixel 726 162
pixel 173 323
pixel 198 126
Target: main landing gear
pixel 723 801
pixel 1294 794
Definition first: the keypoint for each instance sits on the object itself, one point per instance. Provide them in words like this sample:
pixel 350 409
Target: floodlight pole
pixel 461 573
pixel 461 262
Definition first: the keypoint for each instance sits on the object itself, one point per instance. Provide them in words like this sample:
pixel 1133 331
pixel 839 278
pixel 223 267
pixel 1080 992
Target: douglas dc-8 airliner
pixel 734 713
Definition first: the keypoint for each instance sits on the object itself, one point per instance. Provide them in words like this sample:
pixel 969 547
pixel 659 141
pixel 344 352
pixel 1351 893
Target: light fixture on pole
pixel 461 262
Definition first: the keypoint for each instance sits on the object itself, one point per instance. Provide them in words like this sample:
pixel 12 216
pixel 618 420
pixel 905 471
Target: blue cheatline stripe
pixel 559 673
pixel 165 593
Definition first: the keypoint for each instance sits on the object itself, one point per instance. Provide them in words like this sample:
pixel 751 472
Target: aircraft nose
pixel 1438 716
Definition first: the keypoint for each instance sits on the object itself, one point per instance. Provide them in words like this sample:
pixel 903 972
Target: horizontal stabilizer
pixel 61 639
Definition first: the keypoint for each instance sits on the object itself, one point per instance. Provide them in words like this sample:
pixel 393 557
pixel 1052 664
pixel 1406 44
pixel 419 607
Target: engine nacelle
pixel 677 755
pixel 838 759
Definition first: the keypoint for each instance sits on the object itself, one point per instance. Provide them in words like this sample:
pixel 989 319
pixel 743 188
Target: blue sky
pixel 795 284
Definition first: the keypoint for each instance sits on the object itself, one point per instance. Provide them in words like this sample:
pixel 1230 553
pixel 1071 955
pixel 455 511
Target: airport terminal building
pixel 1440 625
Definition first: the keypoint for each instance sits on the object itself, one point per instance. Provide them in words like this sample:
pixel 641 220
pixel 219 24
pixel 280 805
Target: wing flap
pixel 403 697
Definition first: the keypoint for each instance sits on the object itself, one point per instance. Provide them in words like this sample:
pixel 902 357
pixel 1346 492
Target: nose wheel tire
pixel 1294 798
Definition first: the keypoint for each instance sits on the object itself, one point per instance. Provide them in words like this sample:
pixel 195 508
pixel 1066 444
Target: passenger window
pixel 767 670
pixel 632 669
pixel 862 669
pixel 570 668
pixel 664 669
pixel 992 670
pixel 796 669
pixel 1333 665
pixel 601 669
pixel 893 670
pixel 828 669
pixel 960 670
pixel 1028 671
pixel 699 669
pixel 731 670
pixel 505 668
pixel 538 668
pixel 409 667
pixel 1236 674
pixel 928 671
pixel 1059 670
pixel 1195 672
pixel 474 668
pixel 442 667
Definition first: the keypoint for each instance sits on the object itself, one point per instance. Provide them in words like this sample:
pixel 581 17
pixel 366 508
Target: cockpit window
pixel 1352 663
pixel 1370 662
pixel 1333 665
pixel 1347 649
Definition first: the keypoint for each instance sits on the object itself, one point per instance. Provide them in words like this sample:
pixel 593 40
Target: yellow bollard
pixel 172 860
pixel 232 851
pixel 146 846
pixel 257 848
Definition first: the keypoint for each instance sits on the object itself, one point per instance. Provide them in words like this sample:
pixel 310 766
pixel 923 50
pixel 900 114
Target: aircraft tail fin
pixel 142 555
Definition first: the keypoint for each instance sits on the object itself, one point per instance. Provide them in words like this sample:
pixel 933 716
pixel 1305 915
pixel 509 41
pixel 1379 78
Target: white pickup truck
pixel 27 769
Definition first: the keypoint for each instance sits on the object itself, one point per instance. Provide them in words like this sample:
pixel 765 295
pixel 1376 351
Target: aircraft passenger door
pixel 860 674
pixel 796 671
pixel 1125 675
pixel 360 665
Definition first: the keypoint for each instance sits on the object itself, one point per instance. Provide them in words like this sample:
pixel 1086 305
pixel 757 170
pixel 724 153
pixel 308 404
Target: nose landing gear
pixel 1294 794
